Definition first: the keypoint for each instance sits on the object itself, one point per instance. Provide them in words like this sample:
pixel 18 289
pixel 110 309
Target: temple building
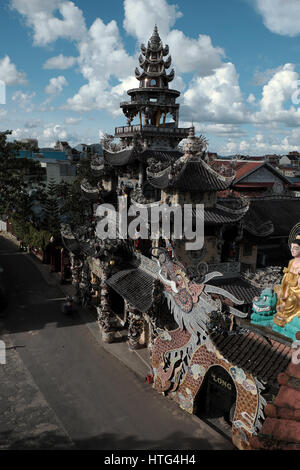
pixel 190 308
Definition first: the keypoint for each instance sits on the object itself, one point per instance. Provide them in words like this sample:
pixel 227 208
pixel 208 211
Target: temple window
pixel 153 83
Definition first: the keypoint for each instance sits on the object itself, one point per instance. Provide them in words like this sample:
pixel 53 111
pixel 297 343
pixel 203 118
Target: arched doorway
pixel 217 396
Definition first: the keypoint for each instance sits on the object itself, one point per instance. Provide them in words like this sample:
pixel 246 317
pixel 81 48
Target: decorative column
pixel 104 310
pixel 76 266
pixel 84 285
pixel 135 327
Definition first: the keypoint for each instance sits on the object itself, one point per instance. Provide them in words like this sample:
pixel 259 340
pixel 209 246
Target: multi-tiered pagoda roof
pixel 156 134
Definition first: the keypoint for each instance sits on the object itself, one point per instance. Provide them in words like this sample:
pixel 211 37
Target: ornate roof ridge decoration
pixel 226 179
pixel 196 159
pixel 216 216
pixel 108 144
pixel 151 60
pixel 222 168
pixel 97 164
pixel 139 200
pixel 88 187
pixel 195 145
pixel 158 173
pixel 231 210
pixel 190 174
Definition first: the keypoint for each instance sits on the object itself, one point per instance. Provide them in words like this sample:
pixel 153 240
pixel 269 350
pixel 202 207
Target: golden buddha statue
pixel 288 293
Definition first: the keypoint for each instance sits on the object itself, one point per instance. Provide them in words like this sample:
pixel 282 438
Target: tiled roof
pixel 159 180
pixel 260 357
pixel 196 175
pixel 238 287
pixel 135 286
pixel 121 158
pixel 281 429
pixel 128 156
pixel 281 212
pixel 246 168
pixel 218 216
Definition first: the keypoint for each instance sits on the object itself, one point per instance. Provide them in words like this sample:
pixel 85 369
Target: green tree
pixel 51 209
pixel 75 209
pixel 17 177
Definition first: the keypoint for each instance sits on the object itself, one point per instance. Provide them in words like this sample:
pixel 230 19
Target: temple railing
pixel 127 130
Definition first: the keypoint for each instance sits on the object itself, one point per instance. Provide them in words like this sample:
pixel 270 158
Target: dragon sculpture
pixel 189 298
pixel 182 357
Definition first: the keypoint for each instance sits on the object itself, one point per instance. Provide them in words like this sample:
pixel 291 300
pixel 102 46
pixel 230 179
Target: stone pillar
pixel 104 311
pixel 135 327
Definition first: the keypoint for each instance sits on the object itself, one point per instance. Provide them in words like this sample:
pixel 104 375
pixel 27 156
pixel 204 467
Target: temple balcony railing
pixel 125 131
pixel 144 101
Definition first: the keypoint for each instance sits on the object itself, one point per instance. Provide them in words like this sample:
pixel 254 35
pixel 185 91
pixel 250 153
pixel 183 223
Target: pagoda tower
pixel 154 105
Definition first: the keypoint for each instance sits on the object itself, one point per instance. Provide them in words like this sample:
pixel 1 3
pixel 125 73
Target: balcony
pixel 168 130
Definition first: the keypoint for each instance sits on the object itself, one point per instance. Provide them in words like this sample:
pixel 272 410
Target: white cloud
pixel 191 55
pixel 73 121
pixel 280 16
pixel 60 62
pixel 215 98
pixel 251 98
pixel 263 144
pixel 9 73
pixel 54 132
pixel 46 26
pixel 56 85
pixel 279 91
pixel 3 112
pixel 262 77
pixel 102 56
pixel 142 15
pixel 24 100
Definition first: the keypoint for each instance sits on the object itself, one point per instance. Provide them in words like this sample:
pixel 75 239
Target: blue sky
pixel 67 65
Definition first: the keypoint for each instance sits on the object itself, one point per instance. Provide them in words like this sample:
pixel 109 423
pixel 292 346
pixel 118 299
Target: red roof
pixel 244 168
